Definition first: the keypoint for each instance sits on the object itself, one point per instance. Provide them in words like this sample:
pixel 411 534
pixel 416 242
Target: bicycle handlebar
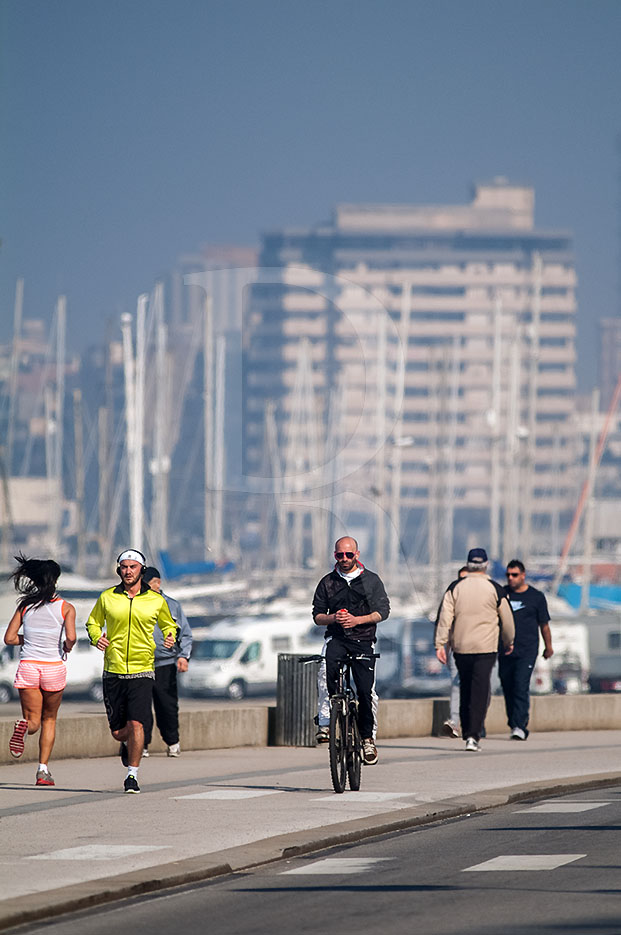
pixel 348 658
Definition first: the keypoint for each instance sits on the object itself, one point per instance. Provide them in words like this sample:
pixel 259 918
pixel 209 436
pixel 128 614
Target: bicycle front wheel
pixel 338 746
pixel 354 751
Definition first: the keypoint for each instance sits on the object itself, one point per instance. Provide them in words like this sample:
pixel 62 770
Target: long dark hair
pixel 35 579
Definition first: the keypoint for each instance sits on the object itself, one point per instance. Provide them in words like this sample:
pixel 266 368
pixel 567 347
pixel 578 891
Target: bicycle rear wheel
pixel 338 744
pixel 354 751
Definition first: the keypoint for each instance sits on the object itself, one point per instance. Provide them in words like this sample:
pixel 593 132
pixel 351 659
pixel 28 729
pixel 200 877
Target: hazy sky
pixel 135 130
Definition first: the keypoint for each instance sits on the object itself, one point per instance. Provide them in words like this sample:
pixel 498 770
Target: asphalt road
pixel 542 868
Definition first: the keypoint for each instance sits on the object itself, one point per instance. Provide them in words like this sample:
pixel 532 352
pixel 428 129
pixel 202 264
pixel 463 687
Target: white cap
pixel 133 555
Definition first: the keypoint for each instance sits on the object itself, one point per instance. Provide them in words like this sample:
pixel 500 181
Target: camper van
pixel 239 657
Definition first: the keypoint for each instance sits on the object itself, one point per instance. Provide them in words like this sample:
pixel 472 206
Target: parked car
pixel 408 665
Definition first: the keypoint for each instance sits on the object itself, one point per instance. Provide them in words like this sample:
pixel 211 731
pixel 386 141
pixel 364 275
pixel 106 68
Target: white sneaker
pixel 174 750
pixel 472 745
pixel 518 734
pixel 145 752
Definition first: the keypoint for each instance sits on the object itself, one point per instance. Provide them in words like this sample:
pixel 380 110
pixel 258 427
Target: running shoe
pixel 131 784
pixel 123 753
pixel 173 750
pixel 449 729
pixel 369 752
pixel 145 752
pixel 518 734
pixel 323 735
pixel 44 778
pixel 16 743
pixel 472 745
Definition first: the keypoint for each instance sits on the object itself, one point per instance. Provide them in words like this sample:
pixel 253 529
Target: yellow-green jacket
pixel 128 623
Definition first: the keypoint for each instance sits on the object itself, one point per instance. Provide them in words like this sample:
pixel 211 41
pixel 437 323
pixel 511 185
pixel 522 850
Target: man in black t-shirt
pixel 530 611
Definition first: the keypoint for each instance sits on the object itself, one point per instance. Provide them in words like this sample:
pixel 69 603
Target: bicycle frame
pixel 345 744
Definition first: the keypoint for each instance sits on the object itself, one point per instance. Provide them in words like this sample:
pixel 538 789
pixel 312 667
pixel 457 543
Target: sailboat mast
pixel 588 513
pixel 208 419
pixel 219 453
pixel 495 432
pixel 59 405
pixel 533 383
pixel 78 444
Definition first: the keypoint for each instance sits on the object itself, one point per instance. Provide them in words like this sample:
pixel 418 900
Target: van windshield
pixel 214 649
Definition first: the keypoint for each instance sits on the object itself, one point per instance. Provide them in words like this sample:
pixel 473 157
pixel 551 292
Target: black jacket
pixel 363 595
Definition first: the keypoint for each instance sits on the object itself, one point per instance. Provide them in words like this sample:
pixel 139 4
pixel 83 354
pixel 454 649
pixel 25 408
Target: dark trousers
pixel 475 672
pixel 363 671
pixel 515 673
pixel 166 704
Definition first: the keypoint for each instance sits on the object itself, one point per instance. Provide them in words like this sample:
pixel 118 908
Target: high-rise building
pixel 409 370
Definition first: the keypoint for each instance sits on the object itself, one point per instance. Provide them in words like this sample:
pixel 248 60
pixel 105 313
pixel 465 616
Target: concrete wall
pixel 253 725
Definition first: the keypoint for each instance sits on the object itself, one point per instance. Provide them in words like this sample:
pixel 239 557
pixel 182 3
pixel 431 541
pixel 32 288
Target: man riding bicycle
pixel 350 601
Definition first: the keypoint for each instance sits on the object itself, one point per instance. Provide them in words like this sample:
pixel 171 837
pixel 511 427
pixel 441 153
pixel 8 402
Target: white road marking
pixel 99 852
pixel 562 807
pixel 338 865
pixel 223 794
pixel 364 797
pixel 525 862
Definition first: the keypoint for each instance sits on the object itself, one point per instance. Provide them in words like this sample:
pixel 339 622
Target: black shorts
pixel 127 700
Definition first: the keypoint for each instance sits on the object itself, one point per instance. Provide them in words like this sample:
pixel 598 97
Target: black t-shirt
pixel 530 611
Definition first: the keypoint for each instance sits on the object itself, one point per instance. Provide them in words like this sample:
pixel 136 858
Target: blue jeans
pixel 452 667
pixel 515 673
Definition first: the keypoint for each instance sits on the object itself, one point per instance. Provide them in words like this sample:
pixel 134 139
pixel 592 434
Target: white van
pixel 239 657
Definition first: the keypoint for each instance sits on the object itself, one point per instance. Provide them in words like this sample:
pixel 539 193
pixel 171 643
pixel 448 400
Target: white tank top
pixel 43 629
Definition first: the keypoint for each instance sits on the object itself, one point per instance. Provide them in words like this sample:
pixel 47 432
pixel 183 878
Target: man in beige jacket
pixel 472 610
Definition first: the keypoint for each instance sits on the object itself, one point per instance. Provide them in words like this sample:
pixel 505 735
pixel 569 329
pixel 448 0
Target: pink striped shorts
pixel 48 676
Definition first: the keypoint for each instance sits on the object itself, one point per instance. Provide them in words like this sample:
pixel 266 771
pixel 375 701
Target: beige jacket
pixel 470 613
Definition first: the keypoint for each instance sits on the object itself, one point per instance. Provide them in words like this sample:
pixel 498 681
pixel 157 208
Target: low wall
pixel 87 735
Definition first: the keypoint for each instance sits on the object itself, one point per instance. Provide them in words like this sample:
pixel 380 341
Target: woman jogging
pixel 48 634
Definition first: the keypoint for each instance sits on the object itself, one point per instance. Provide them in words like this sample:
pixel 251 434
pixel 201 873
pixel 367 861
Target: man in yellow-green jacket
pixel 121 624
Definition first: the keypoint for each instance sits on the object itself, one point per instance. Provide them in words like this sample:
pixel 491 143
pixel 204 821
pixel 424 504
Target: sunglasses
pixel 513 574
pixel 344 554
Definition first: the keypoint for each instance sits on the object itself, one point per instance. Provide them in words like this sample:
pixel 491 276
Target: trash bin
pixel 296 702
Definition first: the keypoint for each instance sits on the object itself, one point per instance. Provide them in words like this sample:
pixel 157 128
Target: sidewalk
pixel 210 812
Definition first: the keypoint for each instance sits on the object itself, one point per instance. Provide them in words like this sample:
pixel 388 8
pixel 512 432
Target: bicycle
pixel 345 744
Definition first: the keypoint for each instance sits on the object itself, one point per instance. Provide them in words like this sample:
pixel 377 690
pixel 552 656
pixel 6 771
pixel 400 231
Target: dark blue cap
pixel 477 556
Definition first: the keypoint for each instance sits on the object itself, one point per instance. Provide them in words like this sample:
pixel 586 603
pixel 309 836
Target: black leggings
pixel 475 671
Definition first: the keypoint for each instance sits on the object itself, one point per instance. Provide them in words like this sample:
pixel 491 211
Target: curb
pixel 52 903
